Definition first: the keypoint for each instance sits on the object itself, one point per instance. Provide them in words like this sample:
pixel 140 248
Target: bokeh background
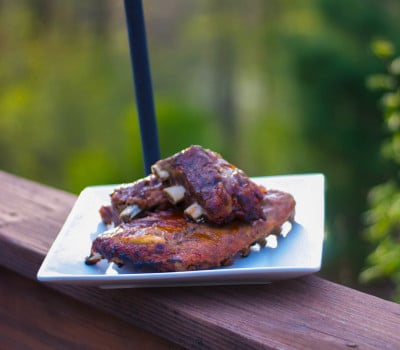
pixel 275 86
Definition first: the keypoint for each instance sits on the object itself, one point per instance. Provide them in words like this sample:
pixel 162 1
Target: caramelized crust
pixel 223 191
pixel 146 194
pixel 166 241
pixel 210 188
pixel 196 211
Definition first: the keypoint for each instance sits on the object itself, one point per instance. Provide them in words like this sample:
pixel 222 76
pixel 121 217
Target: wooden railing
pixel 303 313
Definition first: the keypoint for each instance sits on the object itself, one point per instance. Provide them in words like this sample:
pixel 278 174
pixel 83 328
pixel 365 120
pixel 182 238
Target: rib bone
pixel 272 241
pixel 195 211
pixel 159 172
pixel 93 258
pixel 175 193
pixel 129 212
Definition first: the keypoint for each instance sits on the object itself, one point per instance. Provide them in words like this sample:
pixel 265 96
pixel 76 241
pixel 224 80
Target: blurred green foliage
pixel 276 86
pixel 383 216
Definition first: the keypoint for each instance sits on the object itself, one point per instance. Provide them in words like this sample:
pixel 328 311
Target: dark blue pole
pixel 142 78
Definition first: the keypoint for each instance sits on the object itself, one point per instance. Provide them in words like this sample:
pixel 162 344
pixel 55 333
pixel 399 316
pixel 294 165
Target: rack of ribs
pixel 165 241
pixel 195 211
pixel 207 186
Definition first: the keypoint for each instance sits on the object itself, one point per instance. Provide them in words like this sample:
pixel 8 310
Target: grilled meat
pixel 129 200
pixel 195 211
pixel 167 241
pixel 210 188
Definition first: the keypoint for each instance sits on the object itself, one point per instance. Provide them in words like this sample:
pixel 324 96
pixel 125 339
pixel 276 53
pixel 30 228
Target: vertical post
pixel 142 81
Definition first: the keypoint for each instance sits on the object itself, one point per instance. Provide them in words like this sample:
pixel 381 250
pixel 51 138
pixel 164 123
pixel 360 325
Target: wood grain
pixel 36 317
pixel 304 313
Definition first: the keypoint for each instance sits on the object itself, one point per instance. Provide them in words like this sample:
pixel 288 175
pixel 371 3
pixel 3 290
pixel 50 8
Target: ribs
pixel 207 186
pixel 166 241
pixel 132 199
pixel 211 188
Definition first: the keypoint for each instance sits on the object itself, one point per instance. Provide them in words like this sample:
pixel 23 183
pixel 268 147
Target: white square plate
pixel 297 254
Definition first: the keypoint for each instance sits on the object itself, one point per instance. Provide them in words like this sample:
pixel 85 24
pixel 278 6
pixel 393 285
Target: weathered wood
pixel 33 316
pixel 302 313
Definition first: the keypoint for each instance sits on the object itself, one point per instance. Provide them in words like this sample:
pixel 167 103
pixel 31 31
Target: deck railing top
pixel 303 313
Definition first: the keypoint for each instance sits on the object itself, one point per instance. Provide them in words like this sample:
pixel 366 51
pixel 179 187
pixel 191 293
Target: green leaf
pixel 380 82
pixel 391 100
pixel 393 121
pixel 382 48
pixel 394 67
